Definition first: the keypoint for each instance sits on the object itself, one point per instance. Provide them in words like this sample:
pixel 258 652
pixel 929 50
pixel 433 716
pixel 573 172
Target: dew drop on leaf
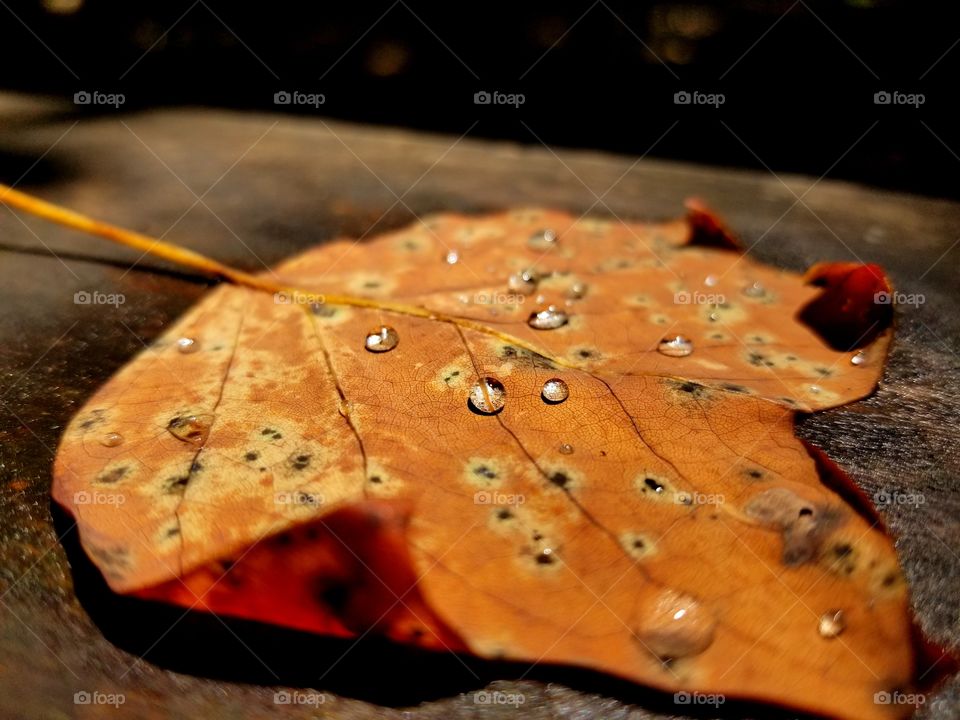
pixel 566 449
pixel 452 257
pixel 191 428
pixel 677 346
pixel 859 358
pixel 832 623
pixel 543 239
pixel 550 318
pixel 381 339
pixel 676 626
pixel 555 391
pixel 187 345
pixel 576 291
pixel 523 282
pixel 487 396
pixel 754 290
pixel 111 439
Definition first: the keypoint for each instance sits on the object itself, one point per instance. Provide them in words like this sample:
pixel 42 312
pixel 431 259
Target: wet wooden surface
pixel 253 189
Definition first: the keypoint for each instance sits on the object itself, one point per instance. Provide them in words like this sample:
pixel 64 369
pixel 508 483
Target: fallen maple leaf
pixel 525 436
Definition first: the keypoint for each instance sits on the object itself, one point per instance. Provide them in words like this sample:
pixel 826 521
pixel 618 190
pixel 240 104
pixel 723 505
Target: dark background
pixel 798 77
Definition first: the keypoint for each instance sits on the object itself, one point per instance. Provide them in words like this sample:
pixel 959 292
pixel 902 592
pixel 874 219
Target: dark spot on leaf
pixel 545 558
pixel 504 514
pixel 484 471
pixel 251 456
pixel 176 483
pixel 653 485
pixel 299 461
pixel 734 388
pixel 334 595
pixel 112 476
pixel 376 479
pixel 559 479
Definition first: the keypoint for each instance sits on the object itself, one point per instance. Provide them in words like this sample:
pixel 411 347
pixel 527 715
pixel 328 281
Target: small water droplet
pixel 566 449
pixel 711 280
pixel 754 290
pixel 111 439
pixel 523 282
pixel 832 623
pixel 555 391
pixel 549 318
pixel 382 339
pixel 860 358
pixel 677 346
pixel 814 389
pixel 488 396
pixel 676 625
pixel 543 239
pixel 452 257
pixel 577 291
pixel 187 345
pixel 191 428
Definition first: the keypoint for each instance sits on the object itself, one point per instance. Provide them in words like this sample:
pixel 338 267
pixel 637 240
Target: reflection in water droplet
pixel 549 318
pixel 452 257
pixel 577 291
pixel 832 623
pixel 191 428
pixel 488 396
pixel 677 346
pixel 382 339
pixel 711 280
pixel 111 439
pixel 860 358
pixel 555 391
pixel 754 290
pixel 187 345
pixel 523 282
pixel 676 625
pixel 566 449
pixel 814 389
pixel 543 239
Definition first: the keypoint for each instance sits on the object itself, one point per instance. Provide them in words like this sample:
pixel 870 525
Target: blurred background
pixel 856 89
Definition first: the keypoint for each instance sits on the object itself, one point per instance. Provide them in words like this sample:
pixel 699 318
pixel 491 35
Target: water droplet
pixel 382 339
pixel 754 290
pixel 191 428
pixel 832 623
pixel 555 391
pixel 711 280
pixel 111 439
pixel 566 449
pixel 577 291
pixel 187 345
pixel 860 358
pixel 488 396
pixel 543 239
pixel 452 257
pixel 814 389
pixel 523 282
pixel 549 318
pixel 676 625
pixel 677 346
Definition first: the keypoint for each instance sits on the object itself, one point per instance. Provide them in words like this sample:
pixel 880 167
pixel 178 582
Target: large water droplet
pixel 832 623
pixel 112 439
pixel 488 396
pixel 859 358
pixel 677 346
pixel 523 282
pixel 381 339
pixel 191 428
pixel 549 318
pixel 543 239
pixel 676 625
pixel 555 391
pixel 187 345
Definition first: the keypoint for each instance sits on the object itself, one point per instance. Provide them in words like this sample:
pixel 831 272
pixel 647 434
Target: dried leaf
pixel 650 514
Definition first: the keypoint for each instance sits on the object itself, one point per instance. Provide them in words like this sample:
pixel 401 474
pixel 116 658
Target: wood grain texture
pixel 279 187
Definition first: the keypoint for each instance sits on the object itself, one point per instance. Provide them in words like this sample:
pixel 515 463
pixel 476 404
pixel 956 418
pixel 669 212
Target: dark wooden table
pixel 253 189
